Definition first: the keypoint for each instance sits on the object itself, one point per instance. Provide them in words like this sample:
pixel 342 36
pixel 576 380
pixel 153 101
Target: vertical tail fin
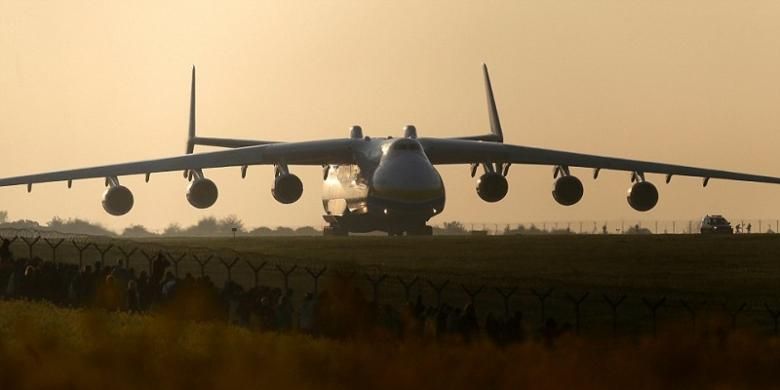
pixel 495 123
pixel 191 133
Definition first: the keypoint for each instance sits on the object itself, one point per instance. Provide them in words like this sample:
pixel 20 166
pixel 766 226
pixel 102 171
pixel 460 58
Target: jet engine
pixel 202 193
pixel 117 200
pixel 567 190
pixel 642 196
pixel 287 188
pixel 492 187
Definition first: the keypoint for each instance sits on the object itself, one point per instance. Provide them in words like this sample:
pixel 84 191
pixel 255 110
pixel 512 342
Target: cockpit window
pixel 400 145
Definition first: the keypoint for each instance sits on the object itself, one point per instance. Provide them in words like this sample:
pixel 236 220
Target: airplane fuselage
pixel 393 187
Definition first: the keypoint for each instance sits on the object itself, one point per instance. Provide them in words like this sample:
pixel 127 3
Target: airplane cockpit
pixel 404 144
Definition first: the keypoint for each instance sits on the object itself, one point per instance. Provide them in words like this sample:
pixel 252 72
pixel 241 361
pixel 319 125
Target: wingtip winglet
pixel 191 126
pixel 495 123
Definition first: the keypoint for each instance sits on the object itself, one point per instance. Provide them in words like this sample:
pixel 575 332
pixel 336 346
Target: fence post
pixel 692 310
pixel 613 304
pixel 653 306
pixel 150 259
pixel 127 255
pixel 438 288
pixel 733 314
pixel 103 252
pixel 315 275
pixel 577 302
pixel 202 263
pixel 10 239
pixel 542 297
pixel 472 293
pixel 30 244
pixel 175 260
pixel 229 266
pixel 774 314
pixel 506 295
pixel 408 287
pixel 256 269
pixel 286 275
pixel 375 282
pixel 81 250
pixel 54 244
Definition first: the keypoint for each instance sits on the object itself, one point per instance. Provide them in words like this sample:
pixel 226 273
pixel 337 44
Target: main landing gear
pixel 334 231
pixel 338 231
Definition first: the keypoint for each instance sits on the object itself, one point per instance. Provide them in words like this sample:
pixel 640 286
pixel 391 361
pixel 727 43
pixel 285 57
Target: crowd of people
pixel 339 311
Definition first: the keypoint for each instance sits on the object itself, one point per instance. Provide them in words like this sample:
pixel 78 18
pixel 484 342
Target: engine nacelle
pixel 117 200
pixel 567 190
pixel 642 196
pixel 492 187
pixel 287 188
pixel 202 193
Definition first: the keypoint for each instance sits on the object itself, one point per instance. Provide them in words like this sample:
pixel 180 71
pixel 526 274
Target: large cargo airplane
pixel 385 184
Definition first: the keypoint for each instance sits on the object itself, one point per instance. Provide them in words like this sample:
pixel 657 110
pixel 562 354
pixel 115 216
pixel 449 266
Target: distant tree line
pixel 207 226
pixel 216 227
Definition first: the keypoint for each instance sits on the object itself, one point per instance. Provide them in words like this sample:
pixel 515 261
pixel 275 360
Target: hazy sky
pixel 93 82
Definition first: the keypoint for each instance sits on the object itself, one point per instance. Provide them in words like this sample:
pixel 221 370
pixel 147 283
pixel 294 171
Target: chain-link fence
pixel 586 310
pixel 615 226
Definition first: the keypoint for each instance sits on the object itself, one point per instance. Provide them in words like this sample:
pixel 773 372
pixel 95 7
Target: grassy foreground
pixel 46 347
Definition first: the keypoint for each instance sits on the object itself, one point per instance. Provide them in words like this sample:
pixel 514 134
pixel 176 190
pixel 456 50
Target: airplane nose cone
pixel 408 180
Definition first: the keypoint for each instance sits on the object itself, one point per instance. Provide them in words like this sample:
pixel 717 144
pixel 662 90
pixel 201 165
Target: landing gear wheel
pixel 421 231
pixel 334 231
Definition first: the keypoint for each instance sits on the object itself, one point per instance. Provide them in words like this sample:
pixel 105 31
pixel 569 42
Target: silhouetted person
pixel 469 326
pixel 749 226
pixel 441 319
pixel 493 328
pixel 133 297
pixel 145 291
pixel 284 314
pixel 419 307
pixel 168 287
pixel 453 321
pixel 76 289
pixel 159 266
pixel 514 328
pixel 306 314
pixel 109 297
pixel 266 314
pixel 550 332
pixel 5 251
pixel 29 283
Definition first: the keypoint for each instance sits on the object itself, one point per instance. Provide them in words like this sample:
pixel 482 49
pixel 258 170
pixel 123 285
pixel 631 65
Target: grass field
pixel 46 347
pixel 739 266
pixel 718 273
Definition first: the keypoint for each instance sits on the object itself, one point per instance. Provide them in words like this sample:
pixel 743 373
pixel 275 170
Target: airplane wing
pixel 490 148
pixel 455 151
pixel 337 151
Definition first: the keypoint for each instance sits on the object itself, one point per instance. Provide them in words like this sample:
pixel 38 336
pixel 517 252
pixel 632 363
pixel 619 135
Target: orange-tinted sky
pixel 88 82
